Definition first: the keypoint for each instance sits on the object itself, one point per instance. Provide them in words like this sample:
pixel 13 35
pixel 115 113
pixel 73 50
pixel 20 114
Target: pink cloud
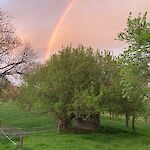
pixel 90 22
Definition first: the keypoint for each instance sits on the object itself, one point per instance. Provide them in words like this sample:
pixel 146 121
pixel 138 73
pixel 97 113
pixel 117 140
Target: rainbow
pixel 52 39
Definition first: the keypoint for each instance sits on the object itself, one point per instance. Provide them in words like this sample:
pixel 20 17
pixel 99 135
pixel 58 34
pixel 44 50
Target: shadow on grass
pixel 103 130
pixel 107 134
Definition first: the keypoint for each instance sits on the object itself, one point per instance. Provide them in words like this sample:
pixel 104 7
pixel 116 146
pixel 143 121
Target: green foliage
pixel 134 62
pixel 133 90
pixel 5 92
pixel 110 83
pixel 137 33
pixel 82 82
pixel 55 83
pixel 85 104
pixel 137 36
pixel 73 82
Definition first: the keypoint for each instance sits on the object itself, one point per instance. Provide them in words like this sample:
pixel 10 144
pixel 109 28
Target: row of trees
pixel 79 82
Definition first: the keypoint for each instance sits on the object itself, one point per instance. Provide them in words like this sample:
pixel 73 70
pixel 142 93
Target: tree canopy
pixel 83 83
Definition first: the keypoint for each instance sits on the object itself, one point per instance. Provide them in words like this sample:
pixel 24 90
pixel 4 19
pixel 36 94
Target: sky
pixel 50 24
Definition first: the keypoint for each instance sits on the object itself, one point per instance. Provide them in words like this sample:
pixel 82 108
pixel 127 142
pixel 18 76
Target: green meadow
pixel 113 134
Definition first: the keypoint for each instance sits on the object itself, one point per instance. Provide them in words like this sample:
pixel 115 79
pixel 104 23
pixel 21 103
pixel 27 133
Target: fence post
pixel 21 142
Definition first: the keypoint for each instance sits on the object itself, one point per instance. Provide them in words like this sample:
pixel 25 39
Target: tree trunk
pixel 95 121
pixel 127 120
pixel 133 123
pixel 98 120
pixel 29 106
pixel 146 119
pixel 61 124
pixel 110 114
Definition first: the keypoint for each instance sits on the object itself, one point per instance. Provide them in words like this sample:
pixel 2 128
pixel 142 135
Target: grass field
pixel 112 136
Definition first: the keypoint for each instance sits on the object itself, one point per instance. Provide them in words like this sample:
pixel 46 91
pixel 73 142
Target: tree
pixel 56 84
pixel 15 57
pixel 135 65
pixel 146 112
pixel 110 83
pixel 137 36
pixel 133 91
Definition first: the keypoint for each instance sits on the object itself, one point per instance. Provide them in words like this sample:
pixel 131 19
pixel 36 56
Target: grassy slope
pixel 112 136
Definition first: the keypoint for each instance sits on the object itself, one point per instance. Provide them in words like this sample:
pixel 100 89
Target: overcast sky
pixel 90 22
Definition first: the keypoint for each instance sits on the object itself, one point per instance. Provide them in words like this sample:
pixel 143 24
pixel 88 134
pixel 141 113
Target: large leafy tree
pixel 134 62
pixel 56 83
pixel 76 82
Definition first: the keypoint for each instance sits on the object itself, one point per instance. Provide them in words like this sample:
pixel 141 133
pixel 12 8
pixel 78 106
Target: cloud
pixel 90 22
pixel 34 19
pixel 96 23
